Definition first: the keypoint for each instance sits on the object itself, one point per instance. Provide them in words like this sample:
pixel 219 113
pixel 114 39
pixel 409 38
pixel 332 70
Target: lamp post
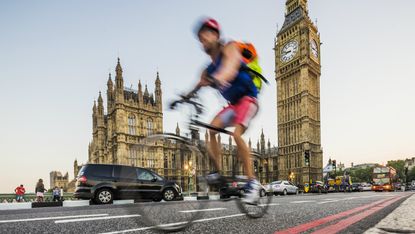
pixel 186 168
pixel 292 176
pixel 189 169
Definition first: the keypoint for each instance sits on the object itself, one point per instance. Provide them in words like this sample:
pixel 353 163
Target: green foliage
pixel 411 174
pixel 399 166
pixel 361 175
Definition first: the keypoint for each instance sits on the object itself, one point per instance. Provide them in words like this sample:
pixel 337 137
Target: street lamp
pixel 292 176
pixel 190 170
pixel 188 167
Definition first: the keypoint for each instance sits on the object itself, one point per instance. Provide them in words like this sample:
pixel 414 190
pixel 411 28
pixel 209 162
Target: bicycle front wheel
pixel 255 211
pixel 169 197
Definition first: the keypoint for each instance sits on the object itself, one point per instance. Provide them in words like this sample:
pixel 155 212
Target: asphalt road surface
pixel 311 213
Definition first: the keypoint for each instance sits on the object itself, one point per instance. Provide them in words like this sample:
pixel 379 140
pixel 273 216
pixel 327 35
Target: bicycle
pixel 180 216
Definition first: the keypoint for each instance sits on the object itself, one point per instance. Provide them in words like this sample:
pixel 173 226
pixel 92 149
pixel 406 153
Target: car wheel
pixel 168 194
pixel 262 193
pixel 284 192
pixel 104 196
pixel 223 197
pixel 241 193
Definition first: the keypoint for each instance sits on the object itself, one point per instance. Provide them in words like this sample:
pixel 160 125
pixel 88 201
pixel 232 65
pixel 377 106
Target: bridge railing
pixel 31 197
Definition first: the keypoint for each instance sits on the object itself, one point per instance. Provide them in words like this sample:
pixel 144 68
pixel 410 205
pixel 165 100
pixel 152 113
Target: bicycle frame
pixel 194 122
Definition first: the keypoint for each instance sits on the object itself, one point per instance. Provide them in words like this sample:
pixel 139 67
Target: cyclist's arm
pixel 202 82
pixel 231 64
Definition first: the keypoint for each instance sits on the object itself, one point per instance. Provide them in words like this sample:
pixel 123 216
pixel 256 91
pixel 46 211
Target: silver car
pixel 283 187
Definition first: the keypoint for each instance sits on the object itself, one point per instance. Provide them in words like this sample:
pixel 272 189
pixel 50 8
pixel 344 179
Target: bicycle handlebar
pixel 184 99
pixel 187 98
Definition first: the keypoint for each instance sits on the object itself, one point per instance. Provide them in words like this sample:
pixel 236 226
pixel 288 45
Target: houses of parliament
pixel 132 114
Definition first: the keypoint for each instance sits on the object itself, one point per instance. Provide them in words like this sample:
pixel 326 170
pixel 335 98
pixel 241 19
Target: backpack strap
pixel 246 68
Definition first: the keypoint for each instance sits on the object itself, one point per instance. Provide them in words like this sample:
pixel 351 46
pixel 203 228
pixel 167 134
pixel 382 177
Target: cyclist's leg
pixel 245 111
pixel 214 150
pixel 243 150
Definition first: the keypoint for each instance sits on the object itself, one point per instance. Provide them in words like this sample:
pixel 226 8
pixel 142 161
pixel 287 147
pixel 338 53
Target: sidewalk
pixel 401 220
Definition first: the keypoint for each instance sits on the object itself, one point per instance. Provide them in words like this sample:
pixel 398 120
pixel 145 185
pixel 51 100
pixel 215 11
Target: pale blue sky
pixel 55 57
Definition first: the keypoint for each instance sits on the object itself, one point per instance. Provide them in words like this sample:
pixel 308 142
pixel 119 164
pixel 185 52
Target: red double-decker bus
pixel 383 178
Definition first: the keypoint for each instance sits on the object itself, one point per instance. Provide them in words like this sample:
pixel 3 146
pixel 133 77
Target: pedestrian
pixel 56 194
pixel 20 191
pixel 61 193
pixel 39 190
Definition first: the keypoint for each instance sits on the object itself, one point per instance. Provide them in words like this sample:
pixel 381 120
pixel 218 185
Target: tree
pixel 411 175
pixel 399 166
pixel 361 174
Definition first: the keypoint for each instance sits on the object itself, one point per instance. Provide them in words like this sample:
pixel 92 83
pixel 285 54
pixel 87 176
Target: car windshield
pixel 276 182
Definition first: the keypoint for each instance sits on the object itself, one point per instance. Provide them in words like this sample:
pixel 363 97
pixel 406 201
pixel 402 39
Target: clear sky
pixel 55 57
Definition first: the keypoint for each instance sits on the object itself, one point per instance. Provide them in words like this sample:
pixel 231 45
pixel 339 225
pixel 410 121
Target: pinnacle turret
pixel 177 130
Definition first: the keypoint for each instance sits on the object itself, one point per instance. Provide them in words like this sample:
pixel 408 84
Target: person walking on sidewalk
pixel 20 191
pixel 39 190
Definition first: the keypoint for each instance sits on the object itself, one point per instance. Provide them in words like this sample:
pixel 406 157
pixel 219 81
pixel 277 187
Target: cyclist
pixel 237 87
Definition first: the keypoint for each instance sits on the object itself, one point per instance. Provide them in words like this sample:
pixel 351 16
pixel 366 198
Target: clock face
pixel 313 48
pixel 289 50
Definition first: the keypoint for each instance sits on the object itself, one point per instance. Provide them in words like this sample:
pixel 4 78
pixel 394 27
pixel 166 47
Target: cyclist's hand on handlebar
pixel 173 104
pixel 183 98
pixel 218 84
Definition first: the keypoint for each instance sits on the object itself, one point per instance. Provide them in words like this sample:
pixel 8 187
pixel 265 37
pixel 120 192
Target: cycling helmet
pixel 207 23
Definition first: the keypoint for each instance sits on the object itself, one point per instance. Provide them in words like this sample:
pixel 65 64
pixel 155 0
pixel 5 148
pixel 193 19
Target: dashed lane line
pixel 95 218
pixel 51 218
pixel 297 202
pixel 192 211
pixel 270 204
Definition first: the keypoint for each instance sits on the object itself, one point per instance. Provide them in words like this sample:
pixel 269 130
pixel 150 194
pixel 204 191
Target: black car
pixel 318 187
pixel 236 188
pixel 103 183
pixel 356 187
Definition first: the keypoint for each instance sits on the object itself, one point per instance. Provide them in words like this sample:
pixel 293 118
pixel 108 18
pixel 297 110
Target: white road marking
pixel 96 218
pixel 328 201
pixel 50 218
pixel 295 202
pixel 270 204
pixel 173 224
pixel 191 211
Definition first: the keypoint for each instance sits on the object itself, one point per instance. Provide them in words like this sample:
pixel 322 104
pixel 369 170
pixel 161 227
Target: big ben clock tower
pixel 297 62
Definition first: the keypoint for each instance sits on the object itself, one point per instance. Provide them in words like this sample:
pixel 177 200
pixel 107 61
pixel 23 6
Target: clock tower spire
pixel 297 62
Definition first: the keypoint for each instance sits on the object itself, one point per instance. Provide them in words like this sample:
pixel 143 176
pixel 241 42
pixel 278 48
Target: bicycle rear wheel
pixel 164 207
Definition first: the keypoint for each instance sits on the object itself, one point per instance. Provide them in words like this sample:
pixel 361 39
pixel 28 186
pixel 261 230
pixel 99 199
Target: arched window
pixel 133 156
pixel 149 127
pixel 131 124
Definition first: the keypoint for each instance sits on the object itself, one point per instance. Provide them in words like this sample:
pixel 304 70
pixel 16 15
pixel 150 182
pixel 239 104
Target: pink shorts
pixel 240 113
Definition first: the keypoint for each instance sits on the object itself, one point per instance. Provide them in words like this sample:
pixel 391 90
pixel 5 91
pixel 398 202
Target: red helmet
pixel 207 23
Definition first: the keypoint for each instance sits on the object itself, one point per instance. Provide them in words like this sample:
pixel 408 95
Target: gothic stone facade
pixel 59 180
pixel 297 62
pixel 131 115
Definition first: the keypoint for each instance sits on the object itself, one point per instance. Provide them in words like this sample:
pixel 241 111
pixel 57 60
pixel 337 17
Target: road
pixel 326 213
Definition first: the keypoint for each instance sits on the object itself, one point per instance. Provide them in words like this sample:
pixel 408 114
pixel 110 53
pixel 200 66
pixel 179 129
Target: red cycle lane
pixel 356 216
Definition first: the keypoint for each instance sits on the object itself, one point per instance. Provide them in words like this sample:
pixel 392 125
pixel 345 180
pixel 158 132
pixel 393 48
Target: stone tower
pixel 131 115
pixel 297 62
